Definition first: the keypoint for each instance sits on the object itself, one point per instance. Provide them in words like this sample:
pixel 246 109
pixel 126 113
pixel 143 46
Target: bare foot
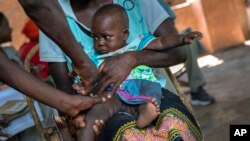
pixel 147 113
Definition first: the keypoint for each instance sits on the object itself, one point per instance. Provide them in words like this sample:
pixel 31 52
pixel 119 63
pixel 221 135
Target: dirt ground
pixel 228 77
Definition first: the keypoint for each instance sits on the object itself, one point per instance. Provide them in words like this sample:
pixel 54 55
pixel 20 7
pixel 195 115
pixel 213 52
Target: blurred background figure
pixel 5 40
pixel 196 79
pixel 29 51
pixel 5 43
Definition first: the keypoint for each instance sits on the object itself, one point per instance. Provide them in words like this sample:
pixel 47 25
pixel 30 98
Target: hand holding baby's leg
pixel 100 111
pixel 78 121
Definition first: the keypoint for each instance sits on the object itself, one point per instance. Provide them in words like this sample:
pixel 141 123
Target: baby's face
pixel 108 35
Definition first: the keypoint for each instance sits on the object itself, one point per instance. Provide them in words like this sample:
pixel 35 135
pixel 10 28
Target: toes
pixel 157 107
pixel 155 103
pixel 153 100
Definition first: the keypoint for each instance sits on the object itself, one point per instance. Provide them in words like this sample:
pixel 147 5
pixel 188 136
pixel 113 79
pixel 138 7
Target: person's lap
pixel 175 121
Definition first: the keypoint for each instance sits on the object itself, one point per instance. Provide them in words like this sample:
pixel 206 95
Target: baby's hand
pixel 189 37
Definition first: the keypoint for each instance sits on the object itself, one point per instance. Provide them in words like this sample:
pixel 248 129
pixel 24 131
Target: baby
pixel 110 28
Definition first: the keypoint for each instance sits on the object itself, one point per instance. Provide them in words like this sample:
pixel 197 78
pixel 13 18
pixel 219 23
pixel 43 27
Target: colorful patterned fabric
pixel 139 91
pixel 174 123
pixel 171 126
pixel 140 86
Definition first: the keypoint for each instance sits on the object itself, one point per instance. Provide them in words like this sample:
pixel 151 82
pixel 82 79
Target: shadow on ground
pixel 229 83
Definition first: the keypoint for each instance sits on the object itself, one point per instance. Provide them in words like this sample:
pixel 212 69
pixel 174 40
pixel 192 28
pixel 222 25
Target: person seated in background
pixel 31 49
pixel 5 40
pixel 196 78
pixel 5 44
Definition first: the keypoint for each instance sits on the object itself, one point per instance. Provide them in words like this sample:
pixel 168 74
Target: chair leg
pixel 43 135
pixel 63 129
pixel 179 90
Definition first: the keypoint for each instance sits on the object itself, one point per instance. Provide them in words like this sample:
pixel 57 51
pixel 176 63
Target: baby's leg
pixel 100 111
pixel 147 113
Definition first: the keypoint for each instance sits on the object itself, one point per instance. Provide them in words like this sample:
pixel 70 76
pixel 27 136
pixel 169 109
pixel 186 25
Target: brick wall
pixel 16 17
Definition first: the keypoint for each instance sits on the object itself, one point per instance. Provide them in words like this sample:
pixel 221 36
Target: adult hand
pixel 88 75
pixel 78 103
pixel 113 71
pixel 78 121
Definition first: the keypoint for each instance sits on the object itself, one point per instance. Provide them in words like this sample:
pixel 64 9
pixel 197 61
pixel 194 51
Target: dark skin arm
pixel 24 82
pixel 42 11
pixel 172 40
pixel 63 81
pixel 116 69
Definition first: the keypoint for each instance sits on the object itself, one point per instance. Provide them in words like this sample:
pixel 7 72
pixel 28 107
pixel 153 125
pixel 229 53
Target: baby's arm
pixel 173 40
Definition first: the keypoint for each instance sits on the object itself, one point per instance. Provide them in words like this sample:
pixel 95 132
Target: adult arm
pixel 50 18
pixel 24 82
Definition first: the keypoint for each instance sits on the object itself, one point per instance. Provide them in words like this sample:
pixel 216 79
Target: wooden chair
pixel 179 90
pixel 43 132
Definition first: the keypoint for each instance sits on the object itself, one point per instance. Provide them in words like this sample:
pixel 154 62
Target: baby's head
pixel 110 28
pixel 5 29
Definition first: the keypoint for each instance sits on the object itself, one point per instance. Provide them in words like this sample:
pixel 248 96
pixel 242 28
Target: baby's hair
pixel 113 10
